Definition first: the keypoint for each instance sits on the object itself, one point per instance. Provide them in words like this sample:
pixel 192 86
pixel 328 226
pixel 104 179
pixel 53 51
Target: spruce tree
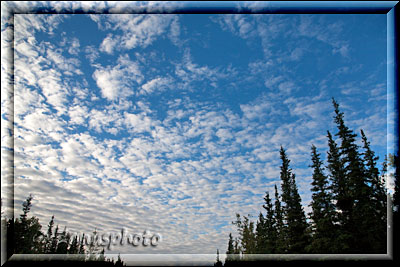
pixel 237 250
pixel 81 249
pixel 246 234
pixel 119 262
pixel 280 244
pixel 357 183
pixel 377 221
pixel 74 247
pixel 294 217
pixel 49 234
pixel 230 251
pixel 269 227
pixel 27 232
pixel 261 235
pixel 218 263
pixel 63 242
pixel 341 197
pixel 323 209
pixel 54 241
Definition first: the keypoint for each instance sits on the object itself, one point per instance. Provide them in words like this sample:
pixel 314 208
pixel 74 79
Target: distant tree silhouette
pixel 218 263
pixel 26 231
pixel 24 236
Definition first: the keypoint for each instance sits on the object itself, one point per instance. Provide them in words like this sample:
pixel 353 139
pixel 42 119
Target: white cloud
pixel 104 120
pixel 138 122
pixel 325 32
pixel 54 90
pixel 74 47
pixel 91 53
pixel 109 44
pixel 78 114
pixel 286 87
pixel 138 30
pixel 116 82
pixel 157 84
pixel 175 31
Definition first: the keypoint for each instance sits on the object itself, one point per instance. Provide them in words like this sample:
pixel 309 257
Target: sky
pixel 172 123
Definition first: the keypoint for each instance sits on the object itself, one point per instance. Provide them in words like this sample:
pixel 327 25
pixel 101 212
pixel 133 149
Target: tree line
pixel 25 236
pixel 348 208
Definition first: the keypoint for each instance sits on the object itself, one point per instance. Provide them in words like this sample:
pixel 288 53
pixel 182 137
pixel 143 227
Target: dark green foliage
pixel 323 210
pixel 349 203
pixel 376 226
pixel 280 235
pixel 295 227
pixel 394 161
pixel 341 195
pixel 247 235
pixel 266 232
pixel 396 197
pixel 24 236
pixel 48 237
pixel 27 231
pixel 361 184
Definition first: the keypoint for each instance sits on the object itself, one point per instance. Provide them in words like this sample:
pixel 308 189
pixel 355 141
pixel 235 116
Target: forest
pixel 348 208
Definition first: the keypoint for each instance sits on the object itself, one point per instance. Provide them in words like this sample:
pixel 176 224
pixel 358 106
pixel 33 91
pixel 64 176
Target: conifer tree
pixel 323 210
pixel 261 236
pixel 246 234
pixel 119 262
pixel 63 242
pixel 294 217
pixel 237 249
pixel 357 183
pixel 81 249
pixel 348 204
pixel 27 238
pixel 230 251
pixel 48 238
pixel 218 263
pixel 267 242
pixel 297 223
pixel 376 224
pixel 280 246
pixel 27 232
pixel 341 197
pixel 93 249
pixel 54 241
pixel 74 247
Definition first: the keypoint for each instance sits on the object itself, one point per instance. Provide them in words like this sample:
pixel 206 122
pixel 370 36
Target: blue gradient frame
pixel 391 8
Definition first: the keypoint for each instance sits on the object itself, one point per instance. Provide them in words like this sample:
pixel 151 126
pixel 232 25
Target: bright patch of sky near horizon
pixel 173 123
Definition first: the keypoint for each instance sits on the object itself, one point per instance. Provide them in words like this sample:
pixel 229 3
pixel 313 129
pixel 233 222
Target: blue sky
pixel 173 123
